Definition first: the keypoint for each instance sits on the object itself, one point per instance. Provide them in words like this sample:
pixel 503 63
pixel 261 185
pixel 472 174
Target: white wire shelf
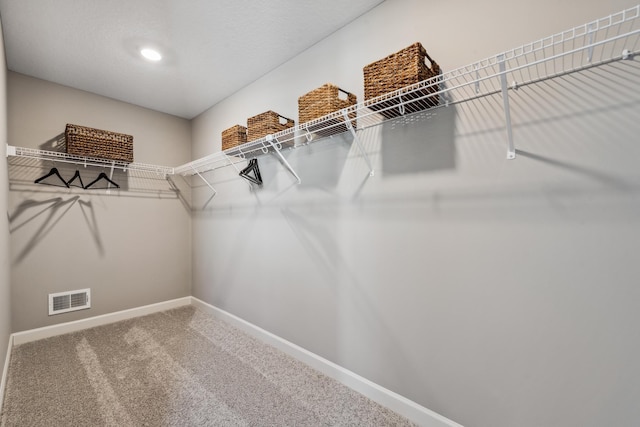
pixel 612 38
pixel 56 156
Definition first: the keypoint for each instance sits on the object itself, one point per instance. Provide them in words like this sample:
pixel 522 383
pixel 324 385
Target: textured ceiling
pixel 211 48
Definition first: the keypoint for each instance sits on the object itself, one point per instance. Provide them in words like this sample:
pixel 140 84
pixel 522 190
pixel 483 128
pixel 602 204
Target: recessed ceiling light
pixel 151 54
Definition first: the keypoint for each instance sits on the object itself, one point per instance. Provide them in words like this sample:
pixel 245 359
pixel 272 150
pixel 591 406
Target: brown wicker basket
pixel 234 136
pixel 102 144
pixel 322 101
pixel 399 70
pixel 266 123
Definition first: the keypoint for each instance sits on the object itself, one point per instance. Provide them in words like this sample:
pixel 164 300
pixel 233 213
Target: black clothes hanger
pixel 52 172
pixel 252 167
pixel 101 177
pixel 76 176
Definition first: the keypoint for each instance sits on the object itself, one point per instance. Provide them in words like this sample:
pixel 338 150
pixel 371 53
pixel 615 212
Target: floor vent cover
pixel 63 302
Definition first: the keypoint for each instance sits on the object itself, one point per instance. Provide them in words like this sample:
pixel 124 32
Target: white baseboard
pixel 78 325
pixel 5 372
pixel 401 405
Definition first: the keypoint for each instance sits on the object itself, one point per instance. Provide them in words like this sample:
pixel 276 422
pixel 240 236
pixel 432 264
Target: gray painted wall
pixel 131 247
pixel 494 292
pixel 5 290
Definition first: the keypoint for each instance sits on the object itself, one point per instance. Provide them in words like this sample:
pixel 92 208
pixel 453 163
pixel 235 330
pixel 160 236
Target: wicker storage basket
pixel 234 136
pixel 266 123
pixel 101 144
pixel 399 70
pixel 322 101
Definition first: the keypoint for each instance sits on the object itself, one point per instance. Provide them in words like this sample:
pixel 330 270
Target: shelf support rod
pixel 276 150
pixel 230 162
pixel 511 151
pixel 347 121
pixel 205 181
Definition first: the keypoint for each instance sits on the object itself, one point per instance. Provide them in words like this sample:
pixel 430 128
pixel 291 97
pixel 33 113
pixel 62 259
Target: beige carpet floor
pixel 180 367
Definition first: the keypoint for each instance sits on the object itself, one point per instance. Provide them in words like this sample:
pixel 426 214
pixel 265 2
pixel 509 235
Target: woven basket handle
pixel 350 96
pixel 285 118
pixel 434 67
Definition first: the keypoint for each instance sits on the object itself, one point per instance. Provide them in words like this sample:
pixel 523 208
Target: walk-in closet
pixel 374 212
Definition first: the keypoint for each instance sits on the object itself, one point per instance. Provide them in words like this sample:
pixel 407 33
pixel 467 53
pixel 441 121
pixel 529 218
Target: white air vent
pixel 63 302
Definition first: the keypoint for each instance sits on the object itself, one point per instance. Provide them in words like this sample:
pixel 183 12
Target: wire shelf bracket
pixel 196 172
pixel 277 146
pixel 511 150
pixel 357 140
